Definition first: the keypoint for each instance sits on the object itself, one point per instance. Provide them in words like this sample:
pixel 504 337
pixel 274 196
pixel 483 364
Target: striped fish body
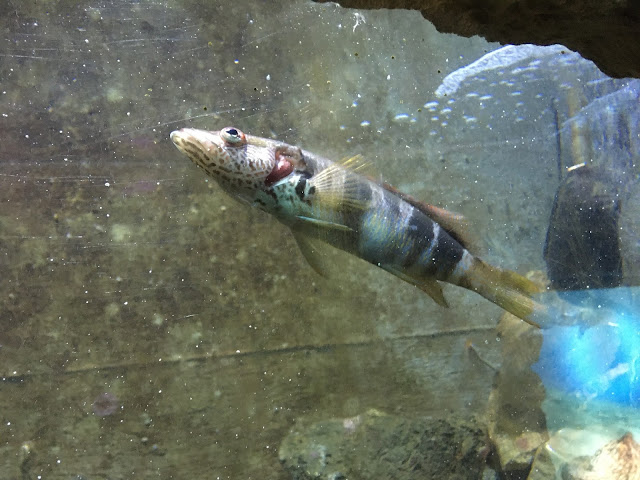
pixel 380 227
pixel 320 200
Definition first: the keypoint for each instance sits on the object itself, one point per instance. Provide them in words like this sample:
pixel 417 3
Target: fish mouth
pixel 188 139
pixel 201 147
pixel 175 136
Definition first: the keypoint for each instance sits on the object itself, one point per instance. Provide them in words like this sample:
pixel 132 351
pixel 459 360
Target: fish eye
pixel 233 136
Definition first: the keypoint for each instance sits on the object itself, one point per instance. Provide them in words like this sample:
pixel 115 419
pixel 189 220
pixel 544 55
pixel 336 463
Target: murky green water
pixel 126 272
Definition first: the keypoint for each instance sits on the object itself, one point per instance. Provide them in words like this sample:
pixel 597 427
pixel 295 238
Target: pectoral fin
pixel 324 224
pixel 338 185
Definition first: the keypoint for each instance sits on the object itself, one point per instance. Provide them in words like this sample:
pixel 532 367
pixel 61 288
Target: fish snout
pixel 175 136
pixel 200 139
pixel 181 139
pixel 201 147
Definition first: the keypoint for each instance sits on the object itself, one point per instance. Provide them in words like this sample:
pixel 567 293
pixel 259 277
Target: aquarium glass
pixel 151 326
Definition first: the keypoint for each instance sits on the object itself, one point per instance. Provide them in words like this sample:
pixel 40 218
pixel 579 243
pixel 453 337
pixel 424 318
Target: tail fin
pixel 505 288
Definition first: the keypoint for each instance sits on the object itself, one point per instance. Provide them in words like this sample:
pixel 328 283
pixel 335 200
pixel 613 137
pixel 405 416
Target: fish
pixel 337 203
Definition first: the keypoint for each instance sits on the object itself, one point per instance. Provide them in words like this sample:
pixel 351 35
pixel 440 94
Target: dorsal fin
pixel 453 223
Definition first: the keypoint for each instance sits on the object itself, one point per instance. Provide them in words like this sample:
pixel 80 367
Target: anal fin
pixel 429 286
pixel 434 290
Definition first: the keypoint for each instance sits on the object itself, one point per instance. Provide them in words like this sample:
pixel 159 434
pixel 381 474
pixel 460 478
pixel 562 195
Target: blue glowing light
pixel 595 361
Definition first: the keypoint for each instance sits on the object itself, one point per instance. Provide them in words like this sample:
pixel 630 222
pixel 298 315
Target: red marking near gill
pixel 284 167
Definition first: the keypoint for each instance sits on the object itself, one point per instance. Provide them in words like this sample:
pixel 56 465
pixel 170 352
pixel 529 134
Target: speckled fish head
pixel 226 155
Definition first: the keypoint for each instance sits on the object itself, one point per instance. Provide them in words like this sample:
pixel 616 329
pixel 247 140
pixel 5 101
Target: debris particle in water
pixel 105 404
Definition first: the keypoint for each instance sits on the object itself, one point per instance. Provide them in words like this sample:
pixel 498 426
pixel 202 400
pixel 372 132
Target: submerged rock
pixel 375 445
pixel 618 459
pixel 517 424
pixel 604 31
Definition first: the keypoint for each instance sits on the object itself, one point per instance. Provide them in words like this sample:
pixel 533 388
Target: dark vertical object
pixel 558 129
pixel 582 248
